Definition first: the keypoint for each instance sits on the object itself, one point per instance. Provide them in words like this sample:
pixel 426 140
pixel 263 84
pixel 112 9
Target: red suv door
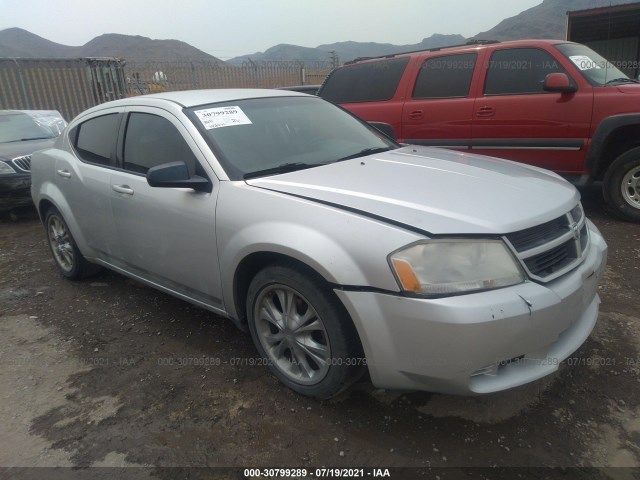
pixel 515 118
pixel 439 108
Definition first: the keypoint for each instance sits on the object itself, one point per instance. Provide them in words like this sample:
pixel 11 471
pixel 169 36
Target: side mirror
pixel 384 128
pixel 176 175
pixel 558 82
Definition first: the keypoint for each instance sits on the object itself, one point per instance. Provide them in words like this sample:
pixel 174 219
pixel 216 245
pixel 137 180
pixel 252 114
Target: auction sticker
pixel 583 62
pixel 222 117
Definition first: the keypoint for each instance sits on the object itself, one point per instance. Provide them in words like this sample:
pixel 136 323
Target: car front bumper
pixel 483 342
pixel 15 191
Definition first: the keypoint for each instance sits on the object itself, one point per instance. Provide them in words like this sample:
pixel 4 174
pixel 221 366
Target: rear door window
pixel 447 76
pixel 364 82
pixel 94 140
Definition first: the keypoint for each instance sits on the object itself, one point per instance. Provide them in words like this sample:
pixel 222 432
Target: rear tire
pixel 621 186
pixel 303 332
pixel 63 247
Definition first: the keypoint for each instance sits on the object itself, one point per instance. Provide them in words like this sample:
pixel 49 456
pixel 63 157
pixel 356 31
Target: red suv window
pixel 519 71
pixel 365 82
pixel 447 76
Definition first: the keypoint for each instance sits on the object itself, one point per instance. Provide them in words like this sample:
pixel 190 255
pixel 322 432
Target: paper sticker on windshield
pixel 222 117
pixel 583 62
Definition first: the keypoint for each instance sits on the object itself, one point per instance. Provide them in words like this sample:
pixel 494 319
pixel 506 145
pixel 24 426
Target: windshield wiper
pixel 27 139
pixel 621 80
pixel 364 152
pixel 283 168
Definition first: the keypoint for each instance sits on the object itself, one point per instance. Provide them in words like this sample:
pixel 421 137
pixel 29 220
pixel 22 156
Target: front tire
pixel 621 187
pixel 303 332
pixel 63 247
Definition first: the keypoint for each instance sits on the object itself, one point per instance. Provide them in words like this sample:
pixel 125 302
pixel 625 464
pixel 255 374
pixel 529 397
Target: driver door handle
pixel 122 189
pixel 485 112
pixel 64 173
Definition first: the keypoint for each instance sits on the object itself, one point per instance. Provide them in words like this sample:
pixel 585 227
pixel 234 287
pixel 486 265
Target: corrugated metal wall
pixel 68 85
pixel 73 85
pixel 622 52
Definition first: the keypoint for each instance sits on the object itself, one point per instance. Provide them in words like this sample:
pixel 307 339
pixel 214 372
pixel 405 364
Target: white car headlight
pixel 6 168
pixel 441 267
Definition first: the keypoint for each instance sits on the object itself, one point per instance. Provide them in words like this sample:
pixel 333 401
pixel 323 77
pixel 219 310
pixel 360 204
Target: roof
pixel 472 45
pixel 11 112
pixel 192 98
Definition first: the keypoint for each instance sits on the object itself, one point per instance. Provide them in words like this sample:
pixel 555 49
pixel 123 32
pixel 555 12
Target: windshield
pixel 596 69
pixel 264 136
pixel 30 125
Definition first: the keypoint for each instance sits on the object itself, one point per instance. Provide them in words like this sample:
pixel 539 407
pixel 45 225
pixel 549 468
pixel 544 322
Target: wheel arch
pixel 43 207
pixel 614 136
pixel 254 262
pixel 54 198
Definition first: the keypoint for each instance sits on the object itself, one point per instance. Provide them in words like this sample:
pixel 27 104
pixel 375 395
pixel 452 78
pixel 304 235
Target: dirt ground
pixel 107 372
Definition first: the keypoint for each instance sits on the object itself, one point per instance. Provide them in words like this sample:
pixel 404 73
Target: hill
pixel 345 50
pixel 284 52
pixel 16 42
pixel 547 20
pixel 350 50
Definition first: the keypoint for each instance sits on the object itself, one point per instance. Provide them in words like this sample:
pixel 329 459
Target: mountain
pixel 345 50
pixel 547 20
pixel 16 42
pixel 137 48
pixel 285 52
pixel 350 50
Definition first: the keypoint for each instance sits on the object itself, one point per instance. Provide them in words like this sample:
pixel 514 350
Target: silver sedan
pixel 340 250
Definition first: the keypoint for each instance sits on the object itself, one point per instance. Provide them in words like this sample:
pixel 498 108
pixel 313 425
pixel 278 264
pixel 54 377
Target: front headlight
pixel 6 168
pixel 441 267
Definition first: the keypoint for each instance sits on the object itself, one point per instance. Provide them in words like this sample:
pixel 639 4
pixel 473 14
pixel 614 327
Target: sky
pixel 228 28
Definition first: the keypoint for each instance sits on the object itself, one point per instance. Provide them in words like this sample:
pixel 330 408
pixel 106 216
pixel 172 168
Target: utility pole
pixel 335 61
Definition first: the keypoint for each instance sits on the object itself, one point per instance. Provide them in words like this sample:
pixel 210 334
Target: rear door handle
pixel 64 173
pixel 416 115
pixel 486 112
pixel 122 189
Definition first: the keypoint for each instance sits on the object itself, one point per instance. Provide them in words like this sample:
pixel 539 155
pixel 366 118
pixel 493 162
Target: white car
pixel 337 248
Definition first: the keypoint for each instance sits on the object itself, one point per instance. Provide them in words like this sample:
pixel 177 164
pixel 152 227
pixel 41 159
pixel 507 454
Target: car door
pixel 439 109
pixel 84 178
pixel 515 118
pixel 166 235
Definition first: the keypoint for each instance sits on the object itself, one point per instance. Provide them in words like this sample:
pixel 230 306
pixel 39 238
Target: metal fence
pixel 194 75
pixel 73 85
pixel 67 85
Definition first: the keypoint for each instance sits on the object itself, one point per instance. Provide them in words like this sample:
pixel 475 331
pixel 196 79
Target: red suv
pixel 554 104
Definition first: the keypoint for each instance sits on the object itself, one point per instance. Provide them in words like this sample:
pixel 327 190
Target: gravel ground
pixel 109 373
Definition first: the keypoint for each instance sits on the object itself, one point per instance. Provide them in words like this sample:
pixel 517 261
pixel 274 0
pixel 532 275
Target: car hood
pixel 434 190
pixel 17 149
pixel 631 88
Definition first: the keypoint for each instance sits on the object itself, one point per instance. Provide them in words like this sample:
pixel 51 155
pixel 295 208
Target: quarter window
pixel 364 82
pixel 519 71
pixel 152 140
pixel 95 138
pixel 445 77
